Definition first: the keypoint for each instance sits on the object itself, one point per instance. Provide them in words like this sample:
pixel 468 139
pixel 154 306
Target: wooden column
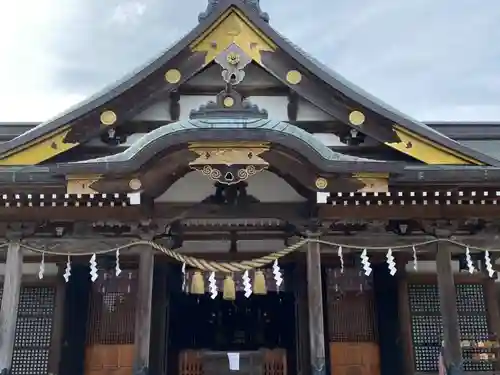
pixel 10 302
pixel 448 303
pixel 143 310
pixel 315 301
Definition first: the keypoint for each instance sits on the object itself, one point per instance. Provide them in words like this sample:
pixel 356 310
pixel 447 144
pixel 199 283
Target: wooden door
pixel 109 360
pixel 354 358
pixel 111 324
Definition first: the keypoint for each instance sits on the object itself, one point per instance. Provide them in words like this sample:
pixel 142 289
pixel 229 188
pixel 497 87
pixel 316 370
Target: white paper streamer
pixel 212 286
pixel 391 264
pixel 183 269
pixel 93 268
pixel 41 270
pixel 468 259
pixel 488 265
pixel 415 259
pixel 67 270
pixel 118 270
pixel 247 284
pixel 277 274
pixel 341 257
pixel 365 261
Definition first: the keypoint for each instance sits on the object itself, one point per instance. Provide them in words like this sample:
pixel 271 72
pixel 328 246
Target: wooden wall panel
pixel 109 359
pixel 354 358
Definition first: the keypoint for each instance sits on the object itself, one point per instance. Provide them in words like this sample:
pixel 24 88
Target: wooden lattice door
pixel 351 323
pixel 111 325
pixel 34 328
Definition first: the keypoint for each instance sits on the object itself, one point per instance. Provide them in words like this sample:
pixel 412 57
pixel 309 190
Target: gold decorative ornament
pixel 321 183
pixel 108 118
pixel 233 58
pixel 356 118
pixel 228 101
pixel 173 76
pixel 135 184
pixel 293 77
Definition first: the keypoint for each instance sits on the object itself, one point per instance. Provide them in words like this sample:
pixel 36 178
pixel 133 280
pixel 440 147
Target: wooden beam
pixel 9 306
pixel 315 302
pixel 449 313
pixel 143 310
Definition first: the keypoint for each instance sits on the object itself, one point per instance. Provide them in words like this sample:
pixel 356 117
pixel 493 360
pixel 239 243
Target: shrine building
pixel 236 205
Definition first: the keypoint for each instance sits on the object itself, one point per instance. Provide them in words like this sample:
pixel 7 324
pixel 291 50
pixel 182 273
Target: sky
pixel 435 60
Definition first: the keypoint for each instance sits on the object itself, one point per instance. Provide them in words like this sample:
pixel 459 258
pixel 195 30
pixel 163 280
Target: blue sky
pixel 433 59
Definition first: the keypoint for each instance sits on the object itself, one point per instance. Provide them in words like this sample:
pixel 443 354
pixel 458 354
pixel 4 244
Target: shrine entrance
pixel 203 330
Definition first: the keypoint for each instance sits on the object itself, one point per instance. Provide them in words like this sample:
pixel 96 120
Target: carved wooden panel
pixel 354 358
pixel 350 306
pixel 427 329
pixel 33 330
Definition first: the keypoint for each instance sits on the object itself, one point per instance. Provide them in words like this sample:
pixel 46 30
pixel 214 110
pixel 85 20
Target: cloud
pixel 432 60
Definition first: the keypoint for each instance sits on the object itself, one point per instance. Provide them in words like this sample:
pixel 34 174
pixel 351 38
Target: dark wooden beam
pixel 143 310
pixel 9 306
pixel 449 313
pixel 315 302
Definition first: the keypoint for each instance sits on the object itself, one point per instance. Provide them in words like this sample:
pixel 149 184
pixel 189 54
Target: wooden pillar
pixel 10 302
pixel 315 301
pixel 448 303
pixel 143 310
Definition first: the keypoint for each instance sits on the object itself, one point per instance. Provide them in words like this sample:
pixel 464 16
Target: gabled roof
pixel 194 51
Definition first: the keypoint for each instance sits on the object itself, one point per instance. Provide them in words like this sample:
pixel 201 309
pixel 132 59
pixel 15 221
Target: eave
pixel 196 50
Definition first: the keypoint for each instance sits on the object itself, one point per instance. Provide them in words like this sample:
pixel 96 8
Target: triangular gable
pixel 228 23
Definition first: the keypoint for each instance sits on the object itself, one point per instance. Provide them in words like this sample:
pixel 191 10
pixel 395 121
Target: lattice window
pixel 427 327
pixel 33 330
pixel 351 306
pixel 112 309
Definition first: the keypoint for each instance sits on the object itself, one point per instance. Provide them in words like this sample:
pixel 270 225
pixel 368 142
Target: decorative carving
pixel 212 5
pixel 229 104
pixel 229 165
pixel 233 60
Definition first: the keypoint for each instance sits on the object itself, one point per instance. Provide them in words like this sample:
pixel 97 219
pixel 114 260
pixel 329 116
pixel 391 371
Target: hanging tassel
pixel 259 283
pixel 118 270
pixel 247 284
pixel 229 289
pixel 41 271
pixel 93 269
pixel 197 283
pixel 67 271
pixel 212 286
pixel 468 259
pixel 488 265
